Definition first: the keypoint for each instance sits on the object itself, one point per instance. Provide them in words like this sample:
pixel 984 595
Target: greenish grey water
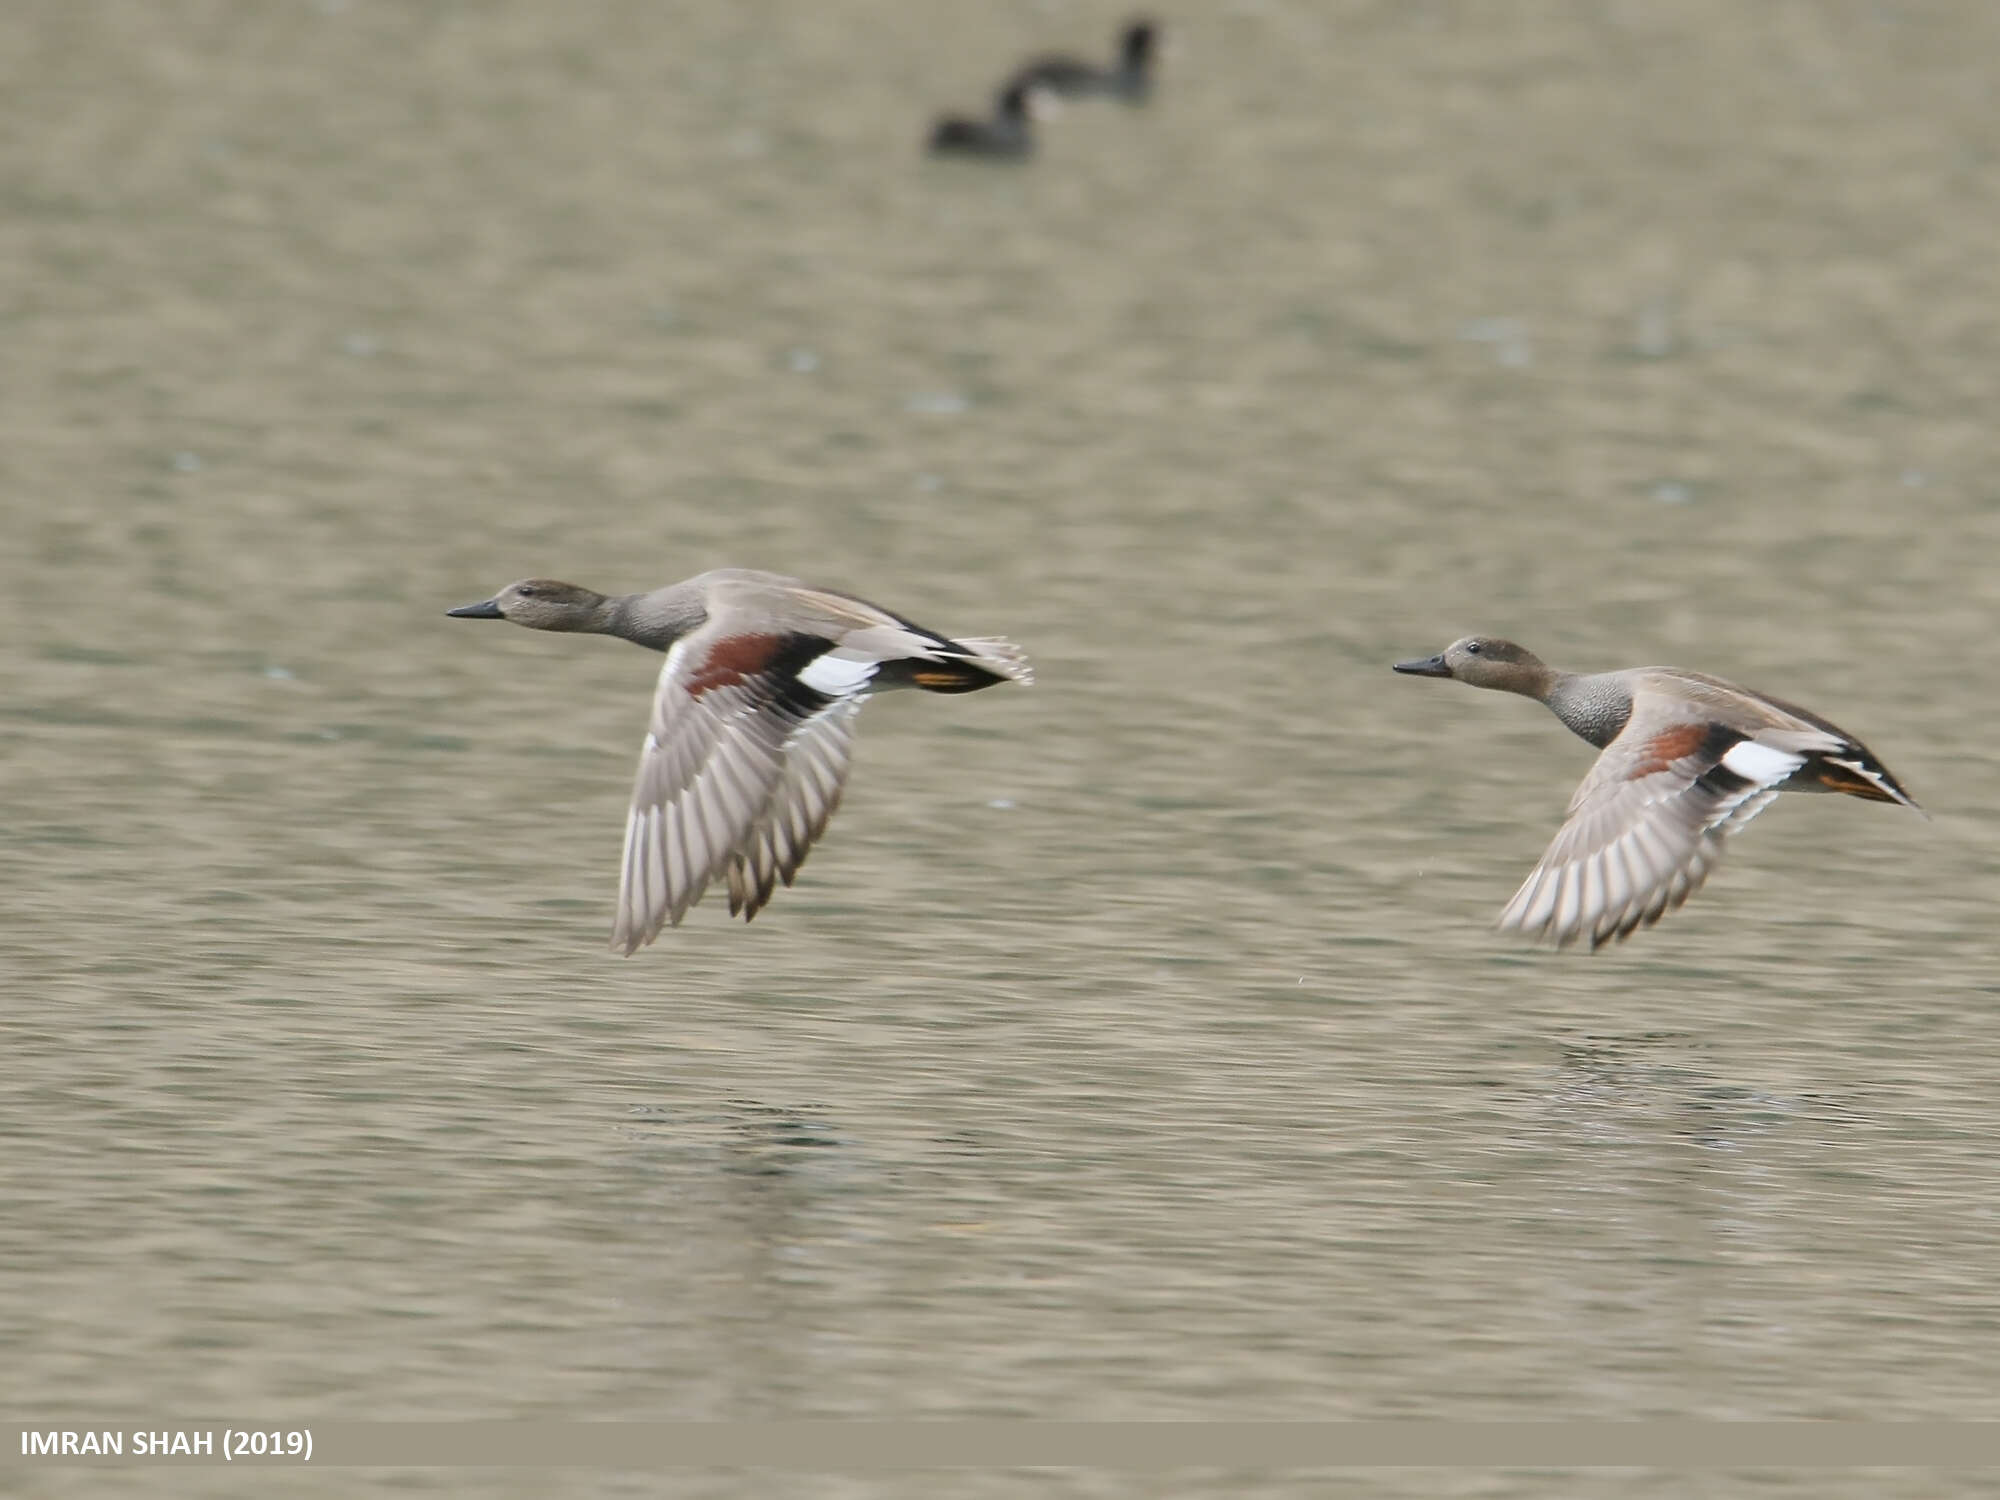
pixel 1135 1046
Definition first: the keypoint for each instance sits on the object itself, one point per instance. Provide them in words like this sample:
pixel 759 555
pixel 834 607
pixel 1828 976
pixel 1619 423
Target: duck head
pixel 1484 661
pixel 539 604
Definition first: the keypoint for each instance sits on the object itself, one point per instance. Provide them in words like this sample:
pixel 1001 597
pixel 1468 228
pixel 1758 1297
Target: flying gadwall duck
pixel 1687 760
pixel 1008 136
pixel 1073 78
pixel 747 754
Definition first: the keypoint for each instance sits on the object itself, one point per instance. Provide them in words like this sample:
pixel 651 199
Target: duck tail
pixel 1001 657
pixel 1861 775
pixel 969 665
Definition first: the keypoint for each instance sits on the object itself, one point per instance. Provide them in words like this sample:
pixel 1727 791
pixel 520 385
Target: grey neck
pixel 654 620
pixel 1594 706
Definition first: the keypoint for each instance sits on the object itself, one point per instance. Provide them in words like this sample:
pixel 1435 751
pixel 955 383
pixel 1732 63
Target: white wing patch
pixel 1761 764
pixel 836 674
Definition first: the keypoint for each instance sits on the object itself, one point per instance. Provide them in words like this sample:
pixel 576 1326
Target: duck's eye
pixel 1473 648
pixel 525 592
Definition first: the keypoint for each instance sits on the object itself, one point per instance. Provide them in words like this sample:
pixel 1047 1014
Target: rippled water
pixel 1135 1046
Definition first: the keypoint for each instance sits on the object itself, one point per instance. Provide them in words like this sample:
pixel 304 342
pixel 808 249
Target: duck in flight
pixel 747 752
pixel 1686 760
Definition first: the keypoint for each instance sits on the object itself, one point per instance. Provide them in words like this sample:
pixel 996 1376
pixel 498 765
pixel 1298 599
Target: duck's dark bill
pixel 1429 666
pixel 487 609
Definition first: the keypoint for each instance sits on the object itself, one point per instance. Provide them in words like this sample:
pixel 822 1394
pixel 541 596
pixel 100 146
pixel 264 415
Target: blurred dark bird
pixel 1073 78
pixel 1008 136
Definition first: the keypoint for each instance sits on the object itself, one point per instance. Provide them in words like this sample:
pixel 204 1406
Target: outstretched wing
pixel 1647 825
pixel 728 709
pixel 796 813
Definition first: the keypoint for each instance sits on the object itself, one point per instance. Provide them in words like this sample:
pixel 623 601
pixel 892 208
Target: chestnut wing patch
pixel 734 659
pixel 1700 746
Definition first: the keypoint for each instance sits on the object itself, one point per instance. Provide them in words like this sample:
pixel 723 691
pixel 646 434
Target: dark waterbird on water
pixel 1008 136
pixel 1130 79
pixel 1687 760
pixel 747 753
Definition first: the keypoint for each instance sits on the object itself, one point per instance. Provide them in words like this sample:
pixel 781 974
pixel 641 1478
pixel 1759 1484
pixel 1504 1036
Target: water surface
pixel 1135 1046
